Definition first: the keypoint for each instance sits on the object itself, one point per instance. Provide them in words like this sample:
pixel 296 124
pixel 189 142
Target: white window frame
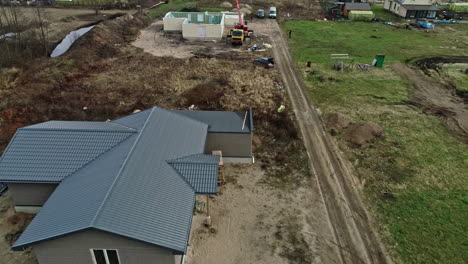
pixel 105 254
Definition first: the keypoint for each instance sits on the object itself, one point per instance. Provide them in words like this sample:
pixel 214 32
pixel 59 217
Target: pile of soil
pixel 207 95
pixel 103 40
pixel 363 133
pixel 336 122
pixel 225 4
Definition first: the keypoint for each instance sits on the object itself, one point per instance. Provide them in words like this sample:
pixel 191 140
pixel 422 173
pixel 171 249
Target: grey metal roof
pixel 49 155
pixel 198 158
pixel 81 125
pixel 201 171
pixel 358 6
pixel 421 7
pixel 131 190
pixel 135 120
pixel 222 121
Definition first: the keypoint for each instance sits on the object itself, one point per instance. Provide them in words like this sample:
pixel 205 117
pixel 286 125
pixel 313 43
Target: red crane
pixel 240 31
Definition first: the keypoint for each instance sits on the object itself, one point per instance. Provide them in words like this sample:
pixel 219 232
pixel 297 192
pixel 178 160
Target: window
pixel 201 17
pixel 105 256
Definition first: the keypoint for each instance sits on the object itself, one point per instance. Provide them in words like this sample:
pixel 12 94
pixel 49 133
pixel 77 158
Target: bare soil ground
pixel 272 211
pixel 11 225
pixel 155 41
pixel 353 229
pixel 254 222
pixel 436 98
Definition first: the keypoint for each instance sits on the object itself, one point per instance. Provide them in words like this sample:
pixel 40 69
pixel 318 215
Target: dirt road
pixel 355 240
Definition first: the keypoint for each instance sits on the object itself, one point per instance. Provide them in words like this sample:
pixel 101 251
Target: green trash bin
pixel 379 60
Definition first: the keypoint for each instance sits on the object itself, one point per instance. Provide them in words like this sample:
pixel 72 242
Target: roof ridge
pixel 98 156
pixel 124 164
pixel 117 124
pixel 79 130
pixel 176 160
pixel 190 118
pixel 183 177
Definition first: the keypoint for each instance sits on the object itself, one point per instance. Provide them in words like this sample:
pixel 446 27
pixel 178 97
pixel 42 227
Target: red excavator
pixel 240 32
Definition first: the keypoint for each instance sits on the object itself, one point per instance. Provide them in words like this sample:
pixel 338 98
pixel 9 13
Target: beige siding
pixel 232 145
pixel 402 11
pixel 35 194
pixel 75 249
pixel 173 24
pixel 212 32
pixel 386 4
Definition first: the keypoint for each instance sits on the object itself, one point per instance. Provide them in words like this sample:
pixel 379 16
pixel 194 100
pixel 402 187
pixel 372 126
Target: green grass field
pixel 315 41
pixel 174 5
pixel 455 71
pixel 419 160
pixel 177 5
pixel 383 14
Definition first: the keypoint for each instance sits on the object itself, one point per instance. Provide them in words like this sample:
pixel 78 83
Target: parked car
pixel 265 62
pixel 272 13
pixel 3 188
pixel 261 13
pixel 15 3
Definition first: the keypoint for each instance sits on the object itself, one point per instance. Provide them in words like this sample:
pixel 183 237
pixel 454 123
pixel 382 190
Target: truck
pixel 272 12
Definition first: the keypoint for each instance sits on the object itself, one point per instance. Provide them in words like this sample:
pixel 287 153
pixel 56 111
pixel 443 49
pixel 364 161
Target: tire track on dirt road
pixel 355 239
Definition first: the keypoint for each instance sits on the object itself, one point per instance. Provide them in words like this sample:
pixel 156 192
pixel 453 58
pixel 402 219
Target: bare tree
pixel 43 27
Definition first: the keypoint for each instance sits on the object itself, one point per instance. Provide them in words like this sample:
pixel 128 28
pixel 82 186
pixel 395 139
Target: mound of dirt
pixel 103 39
pixel 336 122
pixel 226 4
pixel 207 95
pixel 363 133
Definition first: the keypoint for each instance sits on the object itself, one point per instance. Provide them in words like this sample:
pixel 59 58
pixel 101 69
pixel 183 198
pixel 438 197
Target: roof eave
pixel 22 247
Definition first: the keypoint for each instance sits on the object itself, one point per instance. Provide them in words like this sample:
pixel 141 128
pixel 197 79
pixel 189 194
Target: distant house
pixel 412 8
pixel 119 192
pixel 355 7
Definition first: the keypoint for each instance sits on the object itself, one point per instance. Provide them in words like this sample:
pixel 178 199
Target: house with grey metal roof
pixel 412 8
pixel 121 191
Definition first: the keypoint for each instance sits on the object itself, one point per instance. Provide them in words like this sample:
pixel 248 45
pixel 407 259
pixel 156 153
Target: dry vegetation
pixel 104 77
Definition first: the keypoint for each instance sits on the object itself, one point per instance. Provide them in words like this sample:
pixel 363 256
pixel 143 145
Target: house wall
pixel 212 32
pixel 31 194
pixel 402 11
pixel 173 23
pixel 395 7
pixel 231 144
pixel 75 249
pixel 346 11
pixel 419 2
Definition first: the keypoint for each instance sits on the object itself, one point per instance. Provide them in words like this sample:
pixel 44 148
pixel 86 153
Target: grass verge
pixel 315 41
pixel 383 14
pixel 175 5
pixel 415 177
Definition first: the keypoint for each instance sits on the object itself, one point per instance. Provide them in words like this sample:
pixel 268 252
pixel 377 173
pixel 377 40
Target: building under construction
pixel 199 25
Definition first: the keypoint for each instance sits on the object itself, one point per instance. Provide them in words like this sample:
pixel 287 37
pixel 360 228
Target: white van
pixel 272 13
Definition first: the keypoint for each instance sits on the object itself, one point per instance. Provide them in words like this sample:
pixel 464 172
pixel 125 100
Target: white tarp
pixel 7 35
pixel 69 40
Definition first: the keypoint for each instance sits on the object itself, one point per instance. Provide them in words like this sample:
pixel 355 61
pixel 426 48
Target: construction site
pixel 325 179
